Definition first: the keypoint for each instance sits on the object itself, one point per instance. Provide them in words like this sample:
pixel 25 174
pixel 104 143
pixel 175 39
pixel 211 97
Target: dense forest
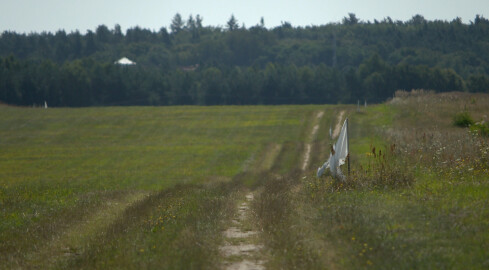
pixel 206 65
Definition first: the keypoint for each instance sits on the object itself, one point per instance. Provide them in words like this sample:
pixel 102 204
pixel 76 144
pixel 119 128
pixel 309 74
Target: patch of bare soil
pixel 241 249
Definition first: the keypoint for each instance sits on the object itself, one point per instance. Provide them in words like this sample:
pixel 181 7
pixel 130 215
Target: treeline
pixel 193 64
pixel 89 83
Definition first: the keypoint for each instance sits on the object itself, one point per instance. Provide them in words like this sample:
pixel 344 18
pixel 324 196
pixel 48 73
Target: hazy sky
pixel 51 15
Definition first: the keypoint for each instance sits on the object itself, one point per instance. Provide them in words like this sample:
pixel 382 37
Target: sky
pixel 27 16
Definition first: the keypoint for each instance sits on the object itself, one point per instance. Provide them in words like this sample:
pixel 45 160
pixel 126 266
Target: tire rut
pixel 68 243
pixel 337 128
pixel 241 247
pixel 307 152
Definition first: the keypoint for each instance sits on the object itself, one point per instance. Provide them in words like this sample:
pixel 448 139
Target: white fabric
pixel 340 154
pixel 323 168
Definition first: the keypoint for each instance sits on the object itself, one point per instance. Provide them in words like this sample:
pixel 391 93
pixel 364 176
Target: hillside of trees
pixel 206 65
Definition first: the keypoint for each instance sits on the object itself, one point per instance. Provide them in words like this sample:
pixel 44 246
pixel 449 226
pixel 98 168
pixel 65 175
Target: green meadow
pixel 155 187
pixel 58 166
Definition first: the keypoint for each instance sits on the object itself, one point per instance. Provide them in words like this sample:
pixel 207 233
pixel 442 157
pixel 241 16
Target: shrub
pixel 480 128
pixel 463 119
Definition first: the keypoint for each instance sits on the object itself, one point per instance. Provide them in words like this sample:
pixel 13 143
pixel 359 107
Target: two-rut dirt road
pixel 243 246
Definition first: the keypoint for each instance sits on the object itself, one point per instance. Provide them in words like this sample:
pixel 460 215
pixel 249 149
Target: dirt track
pixel 307 152
pixel 337 128
pixel 241 249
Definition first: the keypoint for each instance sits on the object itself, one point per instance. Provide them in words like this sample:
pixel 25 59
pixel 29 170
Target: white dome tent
pixel 124 61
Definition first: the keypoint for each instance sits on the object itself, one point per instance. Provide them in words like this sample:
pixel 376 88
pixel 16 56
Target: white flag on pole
pixel 338 154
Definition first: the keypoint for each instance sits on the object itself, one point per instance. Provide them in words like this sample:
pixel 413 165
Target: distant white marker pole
pixel 348 145
pixel 45 105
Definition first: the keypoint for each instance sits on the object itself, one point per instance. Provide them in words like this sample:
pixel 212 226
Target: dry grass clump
pixel 453 153
pixel 383 170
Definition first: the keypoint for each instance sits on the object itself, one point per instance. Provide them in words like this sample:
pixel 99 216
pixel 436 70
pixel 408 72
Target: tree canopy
pixel 207 65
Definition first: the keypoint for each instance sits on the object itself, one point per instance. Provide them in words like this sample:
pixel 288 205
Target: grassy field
pixel 154 187
pixel 63 167
pixel 421 204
